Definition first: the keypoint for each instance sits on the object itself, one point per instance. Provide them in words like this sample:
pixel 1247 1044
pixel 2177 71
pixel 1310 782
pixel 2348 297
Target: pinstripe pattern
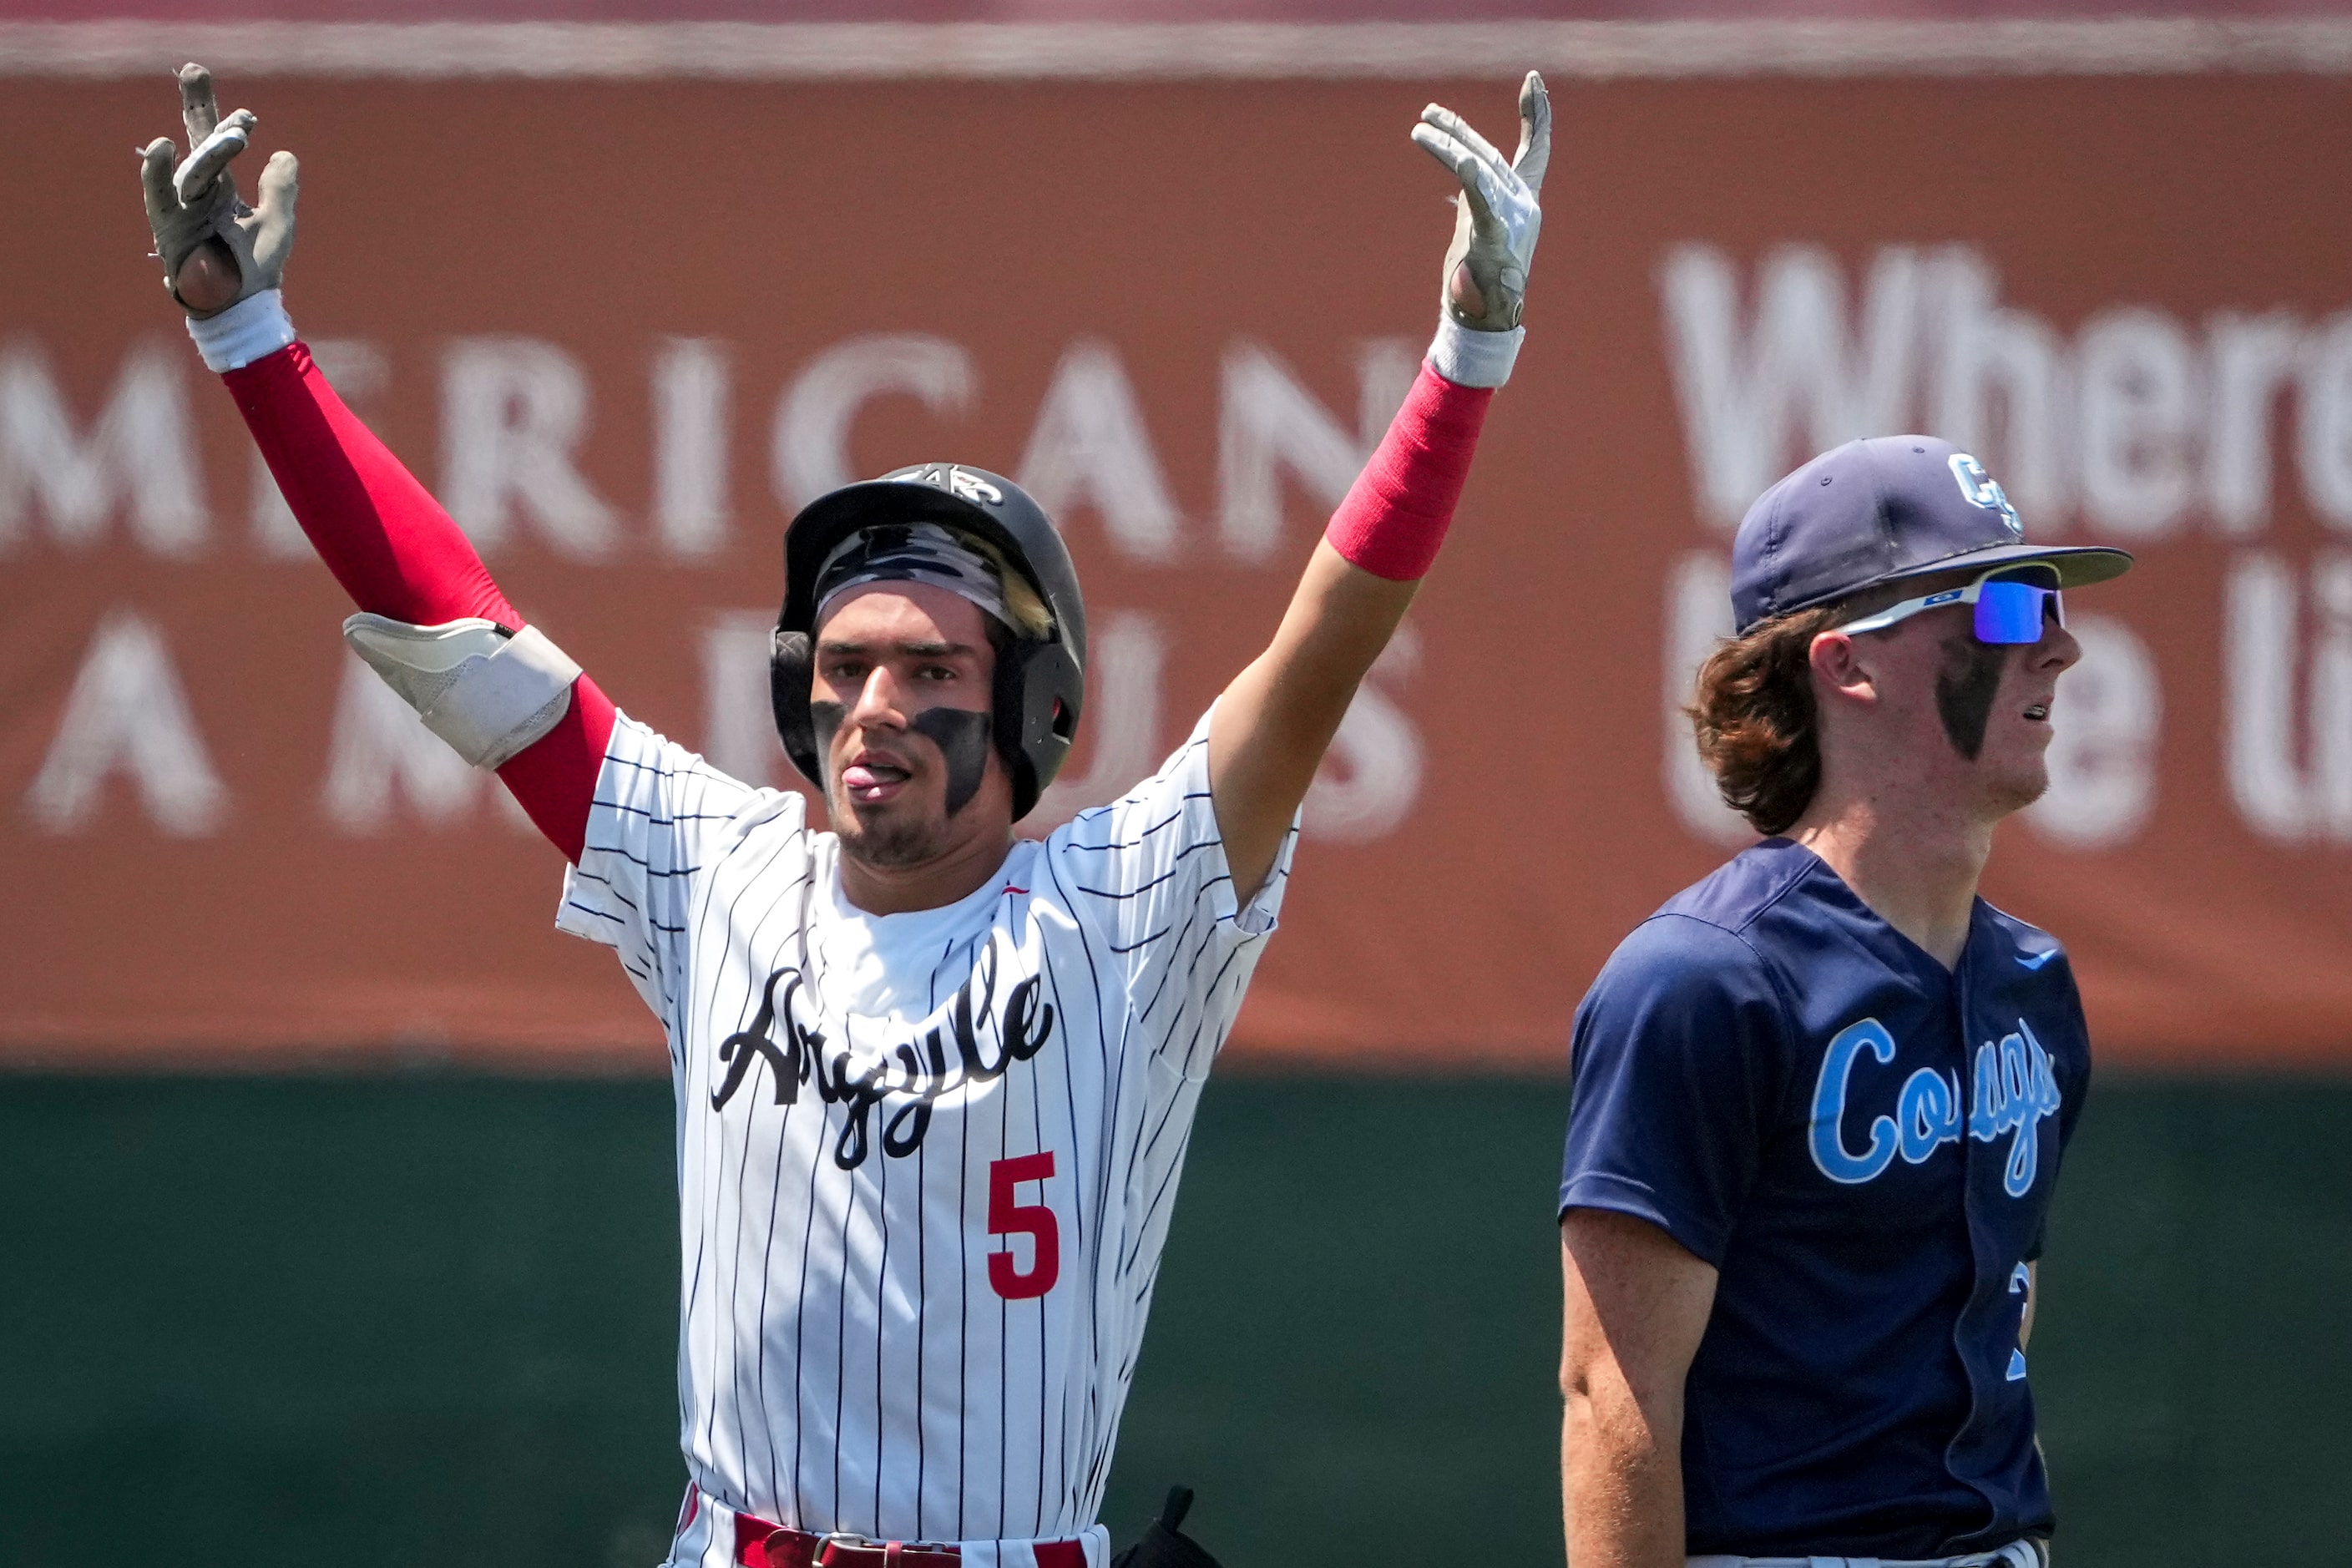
pixel 844 1362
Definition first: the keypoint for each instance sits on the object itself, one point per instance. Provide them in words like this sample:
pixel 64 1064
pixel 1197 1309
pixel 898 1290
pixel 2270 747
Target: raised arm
pixel 1275 721
pixel 402 560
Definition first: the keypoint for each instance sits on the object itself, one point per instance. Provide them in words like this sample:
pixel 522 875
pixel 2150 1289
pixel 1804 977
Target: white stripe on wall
pixel 1142 51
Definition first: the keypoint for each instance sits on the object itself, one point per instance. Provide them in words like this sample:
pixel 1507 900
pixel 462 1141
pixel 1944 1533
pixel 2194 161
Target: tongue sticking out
pixel 872 775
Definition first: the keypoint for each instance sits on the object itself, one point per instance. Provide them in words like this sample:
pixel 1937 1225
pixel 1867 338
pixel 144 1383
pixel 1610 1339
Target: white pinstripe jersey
pixel 924 1161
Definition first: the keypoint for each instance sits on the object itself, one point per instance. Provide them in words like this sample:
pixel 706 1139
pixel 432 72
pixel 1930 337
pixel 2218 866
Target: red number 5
pixel 1008 1217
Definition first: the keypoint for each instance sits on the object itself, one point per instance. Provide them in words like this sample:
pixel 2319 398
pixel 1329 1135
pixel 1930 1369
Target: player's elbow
pixel 1605 1427
pixel 1593 1389
pixel 1611 1404
pixel 1575 1378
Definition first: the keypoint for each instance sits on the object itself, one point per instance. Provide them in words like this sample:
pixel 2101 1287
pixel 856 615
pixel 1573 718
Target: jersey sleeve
pixel 1679 1065
pixel 660 815
pixel 1148 874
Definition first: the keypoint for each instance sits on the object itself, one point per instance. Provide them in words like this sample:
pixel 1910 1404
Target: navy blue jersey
pixel 1863 1145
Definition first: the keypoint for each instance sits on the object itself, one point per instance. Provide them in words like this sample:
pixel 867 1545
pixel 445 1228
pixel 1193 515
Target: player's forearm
pixel 1277 718
pixel 1397 513
pixel 389 545
pixel 397 554
pixel 1621 1481
pixel 1274 723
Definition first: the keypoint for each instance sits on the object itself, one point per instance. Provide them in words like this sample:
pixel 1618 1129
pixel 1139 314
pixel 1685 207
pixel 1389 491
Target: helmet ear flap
pixel 1039 687
pixel 790 664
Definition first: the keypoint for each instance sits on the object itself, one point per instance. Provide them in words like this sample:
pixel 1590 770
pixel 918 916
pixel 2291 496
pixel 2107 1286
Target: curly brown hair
pixel 1753 712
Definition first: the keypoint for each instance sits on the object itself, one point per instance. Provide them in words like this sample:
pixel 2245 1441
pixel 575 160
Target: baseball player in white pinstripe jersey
pixel 934 1082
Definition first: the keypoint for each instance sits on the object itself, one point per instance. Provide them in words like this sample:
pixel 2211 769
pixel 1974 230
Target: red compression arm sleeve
pixel 397 554
pixel 1396 513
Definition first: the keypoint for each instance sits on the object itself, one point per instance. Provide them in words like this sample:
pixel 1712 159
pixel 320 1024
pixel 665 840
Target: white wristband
pixel 245 331
pixel 1470 358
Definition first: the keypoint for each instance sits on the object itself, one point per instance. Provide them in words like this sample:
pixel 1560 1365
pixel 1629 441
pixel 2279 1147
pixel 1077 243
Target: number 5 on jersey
pixel 1009 1216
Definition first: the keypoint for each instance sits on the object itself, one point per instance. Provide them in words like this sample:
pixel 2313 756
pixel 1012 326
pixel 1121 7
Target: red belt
pixel 760 1544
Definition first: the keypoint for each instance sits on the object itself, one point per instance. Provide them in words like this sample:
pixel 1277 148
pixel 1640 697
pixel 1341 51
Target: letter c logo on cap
pixel 1978 487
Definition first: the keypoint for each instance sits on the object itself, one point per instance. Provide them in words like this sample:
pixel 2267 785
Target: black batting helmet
pixel 1040 682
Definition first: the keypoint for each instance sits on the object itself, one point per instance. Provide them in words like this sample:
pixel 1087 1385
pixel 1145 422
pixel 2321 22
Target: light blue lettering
pixel 2015 1088
pixel 2021 1281
pixel 1985 1108
pixel 1928 1114
pixel 1829 1107
pixel 2013 1084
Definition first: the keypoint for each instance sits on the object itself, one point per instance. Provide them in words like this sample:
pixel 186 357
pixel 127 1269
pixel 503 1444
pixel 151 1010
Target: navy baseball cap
pixel 1879 511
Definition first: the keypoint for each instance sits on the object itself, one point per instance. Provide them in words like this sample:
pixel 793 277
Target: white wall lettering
pixel 1126 650
pixel 2004 388
pixel 739 720
pixel 1371 776
pixel 127 713
pixel 2143 422
pixel 513 412
pixel 2103 728
pixel 808 448
pixel 1761 392
pixel 691 383
pixel 140 451
pixel 380 751
pixel 2324 445
pixel 1090 447
pixel 1268 424
pixel 2287 741
pixel 2254 358
pixel 2140 412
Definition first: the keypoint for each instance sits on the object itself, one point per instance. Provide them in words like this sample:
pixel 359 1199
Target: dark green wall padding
pixel 412 1320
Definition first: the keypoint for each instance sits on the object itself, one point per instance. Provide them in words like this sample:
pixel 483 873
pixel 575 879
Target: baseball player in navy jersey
pixel 1820 1097
pixel 934 1081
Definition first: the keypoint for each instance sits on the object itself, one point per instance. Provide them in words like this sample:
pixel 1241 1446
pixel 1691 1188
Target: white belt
pixel 2016 1555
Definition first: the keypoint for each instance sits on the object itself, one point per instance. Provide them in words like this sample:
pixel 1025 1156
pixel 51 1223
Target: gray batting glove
pixel 1497 218
pixel 216 250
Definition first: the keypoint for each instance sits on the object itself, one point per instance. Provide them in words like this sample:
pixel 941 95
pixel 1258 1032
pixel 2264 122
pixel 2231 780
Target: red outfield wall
pixel 623 327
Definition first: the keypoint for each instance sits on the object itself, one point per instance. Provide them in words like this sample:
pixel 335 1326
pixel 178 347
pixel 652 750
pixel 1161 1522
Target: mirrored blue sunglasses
pixel 2010 605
